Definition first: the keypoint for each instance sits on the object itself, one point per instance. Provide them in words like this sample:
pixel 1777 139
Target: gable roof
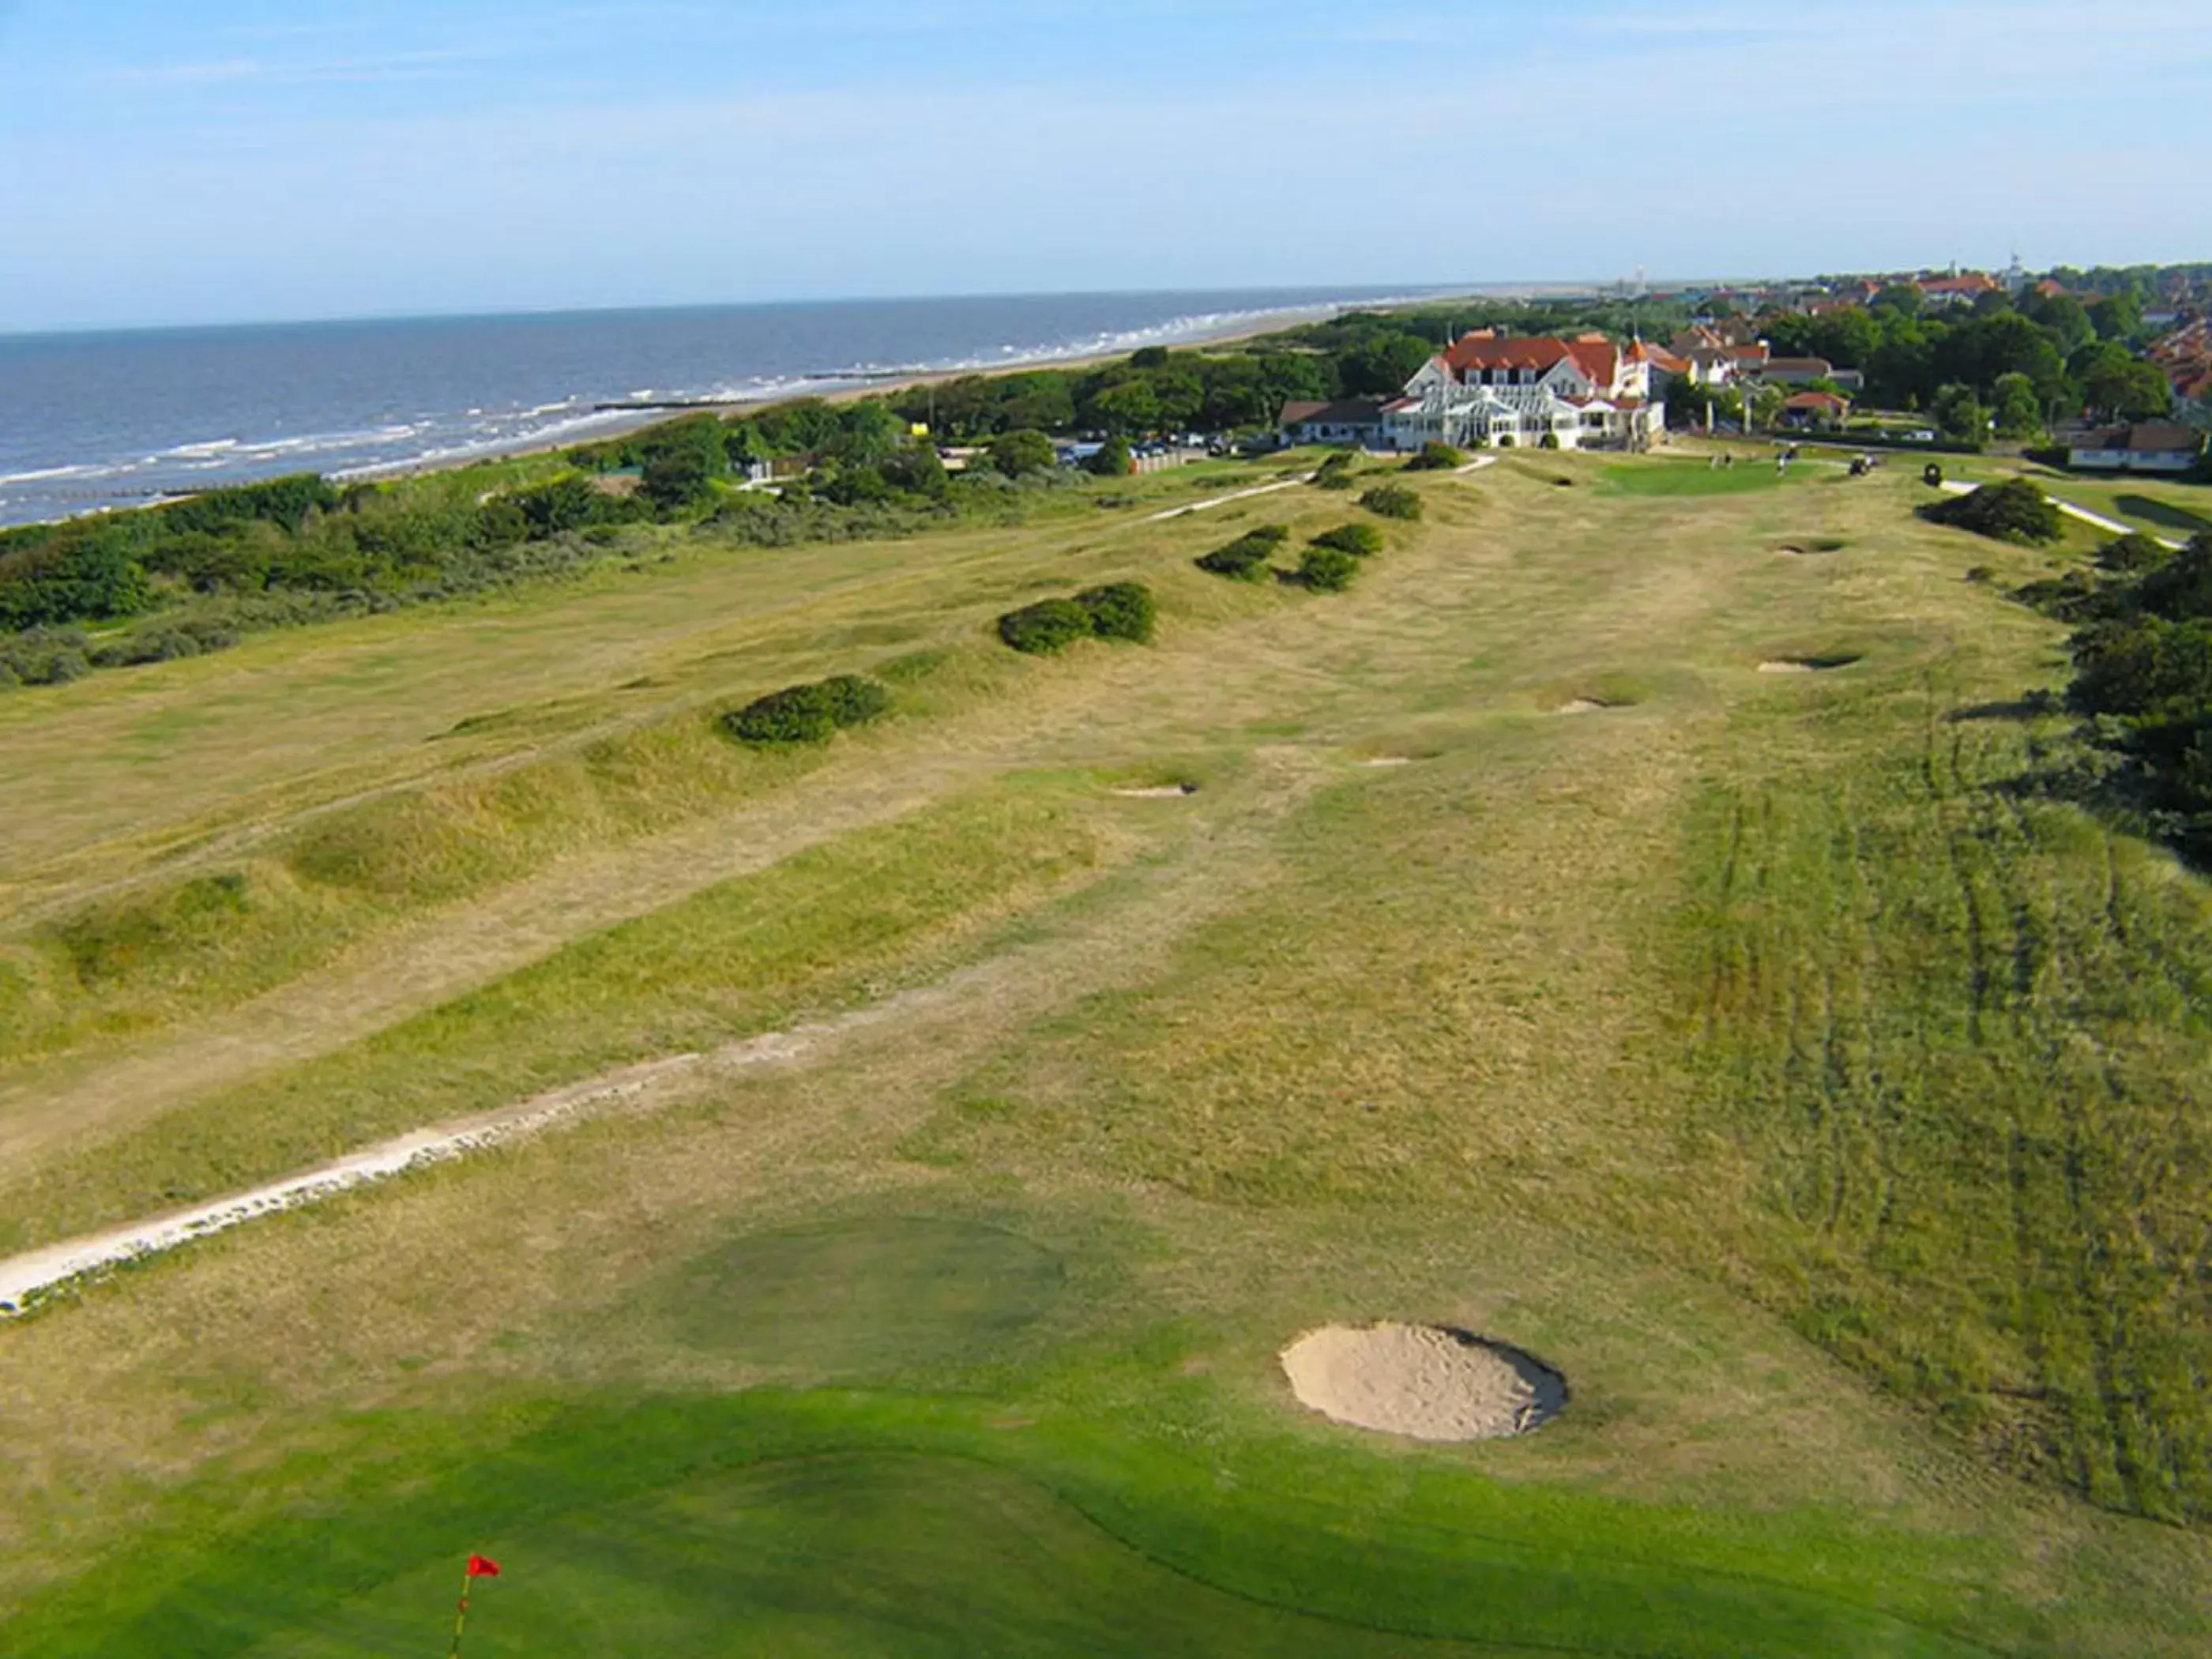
pixel 1816 400
pixel 1596 357
pixel 1343 411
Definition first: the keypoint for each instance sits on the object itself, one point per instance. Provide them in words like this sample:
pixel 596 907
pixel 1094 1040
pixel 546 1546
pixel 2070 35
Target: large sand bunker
pixel 1422 1381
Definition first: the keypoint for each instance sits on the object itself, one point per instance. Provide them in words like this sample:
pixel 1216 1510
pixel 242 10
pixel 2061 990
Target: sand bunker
pixel 1804 664
pixel 1581 706
pixel 1422 1381
pixel 1158 792
pixel 1387 760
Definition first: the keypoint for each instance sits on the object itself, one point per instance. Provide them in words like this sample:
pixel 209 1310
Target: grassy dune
pixel 1770 1053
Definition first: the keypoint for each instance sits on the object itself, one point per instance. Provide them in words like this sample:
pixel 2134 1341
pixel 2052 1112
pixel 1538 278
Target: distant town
pixel 2108 370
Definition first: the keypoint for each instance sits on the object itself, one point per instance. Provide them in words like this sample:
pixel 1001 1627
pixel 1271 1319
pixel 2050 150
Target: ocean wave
pixel 53 474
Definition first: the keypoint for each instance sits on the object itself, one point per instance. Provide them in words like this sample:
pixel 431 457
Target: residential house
pixel 1796 371
pixel 1355 421
pixel 1537 391
pixel 2155 447
pixel 1812 410
pixel 1958 288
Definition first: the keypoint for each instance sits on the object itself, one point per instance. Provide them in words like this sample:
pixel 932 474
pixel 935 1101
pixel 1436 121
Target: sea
pixel 94 421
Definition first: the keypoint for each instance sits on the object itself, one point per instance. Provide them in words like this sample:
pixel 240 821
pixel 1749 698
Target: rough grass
pixel 1822 1100
pixel 738 958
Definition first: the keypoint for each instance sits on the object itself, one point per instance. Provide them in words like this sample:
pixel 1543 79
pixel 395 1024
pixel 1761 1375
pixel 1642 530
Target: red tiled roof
pixel 1539 352
pixel 1972 281
pixel 1815 400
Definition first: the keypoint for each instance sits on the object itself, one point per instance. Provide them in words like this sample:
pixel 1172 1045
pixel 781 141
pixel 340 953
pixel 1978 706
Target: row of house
pixel 2185 357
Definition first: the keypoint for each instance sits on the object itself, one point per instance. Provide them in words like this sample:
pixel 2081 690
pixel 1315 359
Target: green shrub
pixel 1391 502
pixel 1362 541
pixel 2132 552
pixel 1018 454
pixel 1047 626
pixel 1245 559
pixel 1436 457
pixel 855 700
pixel 43 656
pixel 1120 611
pixel 2012 511
pixel 796 715
pixel 1328 569
pixel 1113 459
pixel 808 713
pixel 1334 472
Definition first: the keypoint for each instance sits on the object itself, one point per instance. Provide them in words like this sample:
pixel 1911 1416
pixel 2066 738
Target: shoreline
pixel 622 422
pixel 614 418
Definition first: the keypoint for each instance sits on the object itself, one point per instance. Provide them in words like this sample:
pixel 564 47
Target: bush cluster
pixel 1335 472
pixel 1118 611
pixel 1362 541
pixel 1326 569
pixel 1245 559
pixel 1047 626
pixel 43 656
pixel 1391 502
pixel 2012 511
pixel 813 713
pixel 1436 457
pixel 2142 670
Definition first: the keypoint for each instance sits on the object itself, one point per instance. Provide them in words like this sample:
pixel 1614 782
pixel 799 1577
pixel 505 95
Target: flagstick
pixel 461 1618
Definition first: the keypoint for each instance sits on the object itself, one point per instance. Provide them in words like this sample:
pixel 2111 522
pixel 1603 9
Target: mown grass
pixel 1769 1054
pixel 1697 477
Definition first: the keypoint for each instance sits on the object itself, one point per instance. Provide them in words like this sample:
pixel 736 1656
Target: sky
pixel 253 160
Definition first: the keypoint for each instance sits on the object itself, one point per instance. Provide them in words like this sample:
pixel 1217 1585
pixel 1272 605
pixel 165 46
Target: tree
pixel 2128 389
pixel 2067 320
pixel 1766 405
pixel 1017 454
pixel 1113 459
pixel 1848 339
pixel 869 433
pixel 1380 365
pixel 1127 408
pixel 1976 354
pixel 2117 316
pixel 918 470
pixel 676 479
pixel 1900 299
pixel 1958 414
pixel 2019 411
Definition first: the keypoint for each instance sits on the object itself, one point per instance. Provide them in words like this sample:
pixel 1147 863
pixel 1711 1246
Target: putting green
pixel 855 1525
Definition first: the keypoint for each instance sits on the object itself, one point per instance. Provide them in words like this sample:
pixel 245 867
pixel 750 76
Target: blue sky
pixel 243 159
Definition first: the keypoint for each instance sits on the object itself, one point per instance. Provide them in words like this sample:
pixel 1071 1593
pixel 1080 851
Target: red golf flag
pixel 482 1567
